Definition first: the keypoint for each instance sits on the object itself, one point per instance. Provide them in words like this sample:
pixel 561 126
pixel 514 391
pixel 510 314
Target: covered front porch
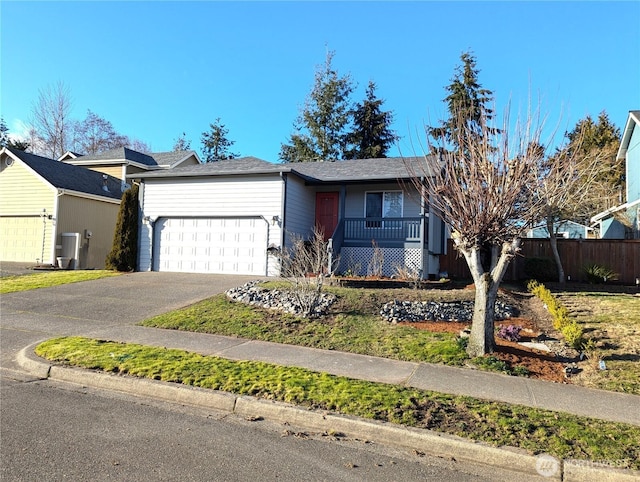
pixel 390 247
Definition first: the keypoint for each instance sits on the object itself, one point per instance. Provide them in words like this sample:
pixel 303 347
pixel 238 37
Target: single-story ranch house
pixel 231 216
pixel 49 209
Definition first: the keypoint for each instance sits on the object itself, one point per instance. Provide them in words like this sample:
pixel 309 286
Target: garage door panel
pixel 21 238
pixel 211 245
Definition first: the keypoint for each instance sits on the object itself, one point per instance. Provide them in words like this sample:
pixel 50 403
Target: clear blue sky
pixel 157 69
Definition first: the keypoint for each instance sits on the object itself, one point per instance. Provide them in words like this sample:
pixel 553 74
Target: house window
pixel 382 204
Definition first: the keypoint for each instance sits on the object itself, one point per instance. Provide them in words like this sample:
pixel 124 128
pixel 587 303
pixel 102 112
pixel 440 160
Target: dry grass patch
pixel 611 322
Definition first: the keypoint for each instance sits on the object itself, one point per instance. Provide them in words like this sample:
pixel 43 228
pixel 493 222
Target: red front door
pixel 326 213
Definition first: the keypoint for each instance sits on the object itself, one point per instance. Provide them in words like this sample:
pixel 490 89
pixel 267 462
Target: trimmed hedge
pixel 569 328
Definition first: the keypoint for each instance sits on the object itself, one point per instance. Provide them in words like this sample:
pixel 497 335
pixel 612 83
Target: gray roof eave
pixel 172 173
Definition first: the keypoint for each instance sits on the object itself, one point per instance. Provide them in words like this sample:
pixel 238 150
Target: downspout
pixel 152 224
pixel 283 217
pixel 266 251
pixel 422 229
pixel 140 212
pixel 54 226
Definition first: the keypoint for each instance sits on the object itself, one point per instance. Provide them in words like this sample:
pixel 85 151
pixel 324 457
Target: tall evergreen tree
pixel 7 141
pixel 468 107
pixel 322 127
pixel 372 135
pixel 4 133
pixel 600 138
pixel 216 144
pixel 124 253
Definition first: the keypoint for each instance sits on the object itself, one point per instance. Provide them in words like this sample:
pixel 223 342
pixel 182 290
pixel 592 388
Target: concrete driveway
pixel 88 307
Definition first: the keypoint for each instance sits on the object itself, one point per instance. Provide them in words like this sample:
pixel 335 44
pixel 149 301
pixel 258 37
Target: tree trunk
pixel 482 339
pixel 553 241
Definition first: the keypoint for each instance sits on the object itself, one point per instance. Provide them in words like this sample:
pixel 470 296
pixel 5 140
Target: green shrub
pixel 562 322
pixel 572 333
pixel 541 269
pixel 124 253
pixel 597 274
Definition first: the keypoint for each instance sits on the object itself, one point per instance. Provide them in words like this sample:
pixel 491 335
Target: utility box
pixel 71 249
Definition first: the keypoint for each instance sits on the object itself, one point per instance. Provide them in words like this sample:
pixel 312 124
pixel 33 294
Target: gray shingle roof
pixel 241 165
pixel 66 176
pixel 121 153
pixel 358 170
pixel 169 158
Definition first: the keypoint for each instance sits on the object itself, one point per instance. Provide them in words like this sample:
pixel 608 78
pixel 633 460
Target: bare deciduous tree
pixel 566 188
pixel 96 134
pixel 302 259
pixel 50 118
pixel 485 190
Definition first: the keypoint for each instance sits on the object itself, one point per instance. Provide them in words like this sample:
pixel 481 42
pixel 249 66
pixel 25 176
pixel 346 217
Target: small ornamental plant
pixel 510 332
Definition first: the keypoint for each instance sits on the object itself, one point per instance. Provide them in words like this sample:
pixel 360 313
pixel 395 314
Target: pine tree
pixel 4 133
pixel 322 127
pixel 467 106
pixel 215 144
pixel 600 139
pixel 372 135
pixel 124 253
pixel 7 141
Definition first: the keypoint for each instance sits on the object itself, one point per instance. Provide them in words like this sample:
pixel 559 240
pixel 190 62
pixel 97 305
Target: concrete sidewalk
pixel 110 308
pixel 605 405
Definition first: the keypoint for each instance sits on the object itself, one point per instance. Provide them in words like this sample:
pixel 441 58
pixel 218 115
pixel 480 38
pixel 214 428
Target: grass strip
pixel 47 279
pixel 352 330
pixel 535 430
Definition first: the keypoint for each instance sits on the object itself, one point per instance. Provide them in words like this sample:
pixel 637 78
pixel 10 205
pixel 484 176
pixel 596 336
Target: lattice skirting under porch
pixel 366 261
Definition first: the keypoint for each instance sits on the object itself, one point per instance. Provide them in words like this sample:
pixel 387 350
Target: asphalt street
pixel 53 431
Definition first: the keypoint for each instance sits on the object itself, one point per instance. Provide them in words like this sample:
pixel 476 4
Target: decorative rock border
pixel 394 311
pixel 462 311
pixel 282 300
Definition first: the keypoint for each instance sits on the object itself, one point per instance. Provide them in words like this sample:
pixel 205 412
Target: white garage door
pixel 211 245
pixel 21 238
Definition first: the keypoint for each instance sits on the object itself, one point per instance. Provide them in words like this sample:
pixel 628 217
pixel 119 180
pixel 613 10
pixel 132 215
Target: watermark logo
pixel 547 465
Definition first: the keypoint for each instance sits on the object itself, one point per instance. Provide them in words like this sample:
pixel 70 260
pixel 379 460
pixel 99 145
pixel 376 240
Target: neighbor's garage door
pixel 211 245
pixel 21 238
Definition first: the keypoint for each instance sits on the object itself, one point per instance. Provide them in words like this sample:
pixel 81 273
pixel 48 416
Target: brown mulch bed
pixel 541 365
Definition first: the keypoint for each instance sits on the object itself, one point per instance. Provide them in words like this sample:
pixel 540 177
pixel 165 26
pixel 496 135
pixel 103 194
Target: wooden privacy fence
pixel 622 256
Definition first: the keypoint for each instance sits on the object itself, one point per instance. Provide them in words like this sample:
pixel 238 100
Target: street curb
pixel 421 440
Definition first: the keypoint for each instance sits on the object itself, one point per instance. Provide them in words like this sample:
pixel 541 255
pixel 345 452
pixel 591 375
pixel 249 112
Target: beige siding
pixel 78 215
pixel 115 171
pixel 24 192
pixel 24 235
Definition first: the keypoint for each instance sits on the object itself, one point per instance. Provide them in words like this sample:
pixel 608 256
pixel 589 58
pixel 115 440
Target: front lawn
pixel 535 430
pixel 354 325
pixel 47 279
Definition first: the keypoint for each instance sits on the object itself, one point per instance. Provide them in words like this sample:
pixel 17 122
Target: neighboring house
pixel 623 222
pixel 49 209
pixel 233 216
pixel 122 161
pixel 563 229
